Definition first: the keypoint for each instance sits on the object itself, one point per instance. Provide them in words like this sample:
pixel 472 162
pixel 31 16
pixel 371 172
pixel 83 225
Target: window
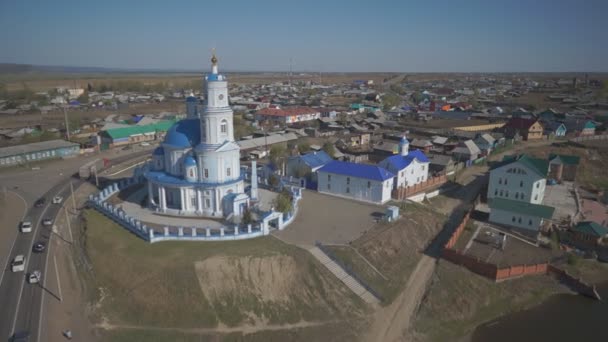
pixel 501 193
pixel 207 203
pixel 519 220
pixel 530 222
pixel 329 178
pixel 536 197
pixel 193 201
pixel 517 195
pixel 422 167
pixel 500 181
pixel 369 184
pixel 521 184
pixel 347 180
pixel 513 219
pixel 506 181
pixel 507 194
pixel 228 172
pixel 328 186
pixel 191 172
pixel 347 190
pixel 224 127
pixel 206 173
pixel 496 192
pixel 538 185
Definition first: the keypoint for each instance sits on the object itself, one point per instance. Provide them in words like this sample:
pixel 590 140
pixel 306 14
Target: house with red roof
pixel 528 129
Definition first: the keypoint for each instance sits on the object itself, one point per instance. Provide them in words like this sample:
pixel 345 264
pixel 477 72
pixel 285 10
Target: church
pixel 196 169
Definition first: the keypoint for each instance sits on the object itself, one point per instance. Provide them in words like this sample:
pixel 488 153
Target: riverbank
pixel 459 301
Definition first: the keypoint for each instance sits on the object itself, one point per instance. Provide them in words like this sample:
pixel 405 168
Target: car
pixel 39 247
pixel 20 336
pixel 18 264
pixel 40 202
pixel 47 222
pixel 145 144
pixel 25 227
pixel 57 200
pixel 34 277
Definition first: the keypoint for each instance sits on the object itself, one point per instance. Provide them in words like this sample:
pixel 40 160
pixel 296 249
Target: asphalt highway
pixel 20 302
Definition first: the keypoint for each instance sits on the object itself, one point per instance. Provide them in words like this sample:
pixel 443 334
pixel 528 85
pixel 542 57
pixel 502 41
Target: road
pixel 20 301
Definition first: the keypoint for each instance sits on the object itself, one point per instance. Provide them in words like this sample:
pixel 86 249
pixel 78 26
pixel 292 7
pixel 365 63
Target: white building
pixel 362 182
pixel 196 170
pixel 410 167
pixel 515 192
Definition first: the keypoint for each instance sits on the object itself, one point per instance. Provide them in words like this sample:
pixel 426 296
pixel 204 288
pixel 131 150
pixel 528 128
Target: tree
pixel 304 147
pixel 391 100
pixel 283 202
pixel 329 149
pixel 277 152
pixel 83 98
pixel 302 172
pixel 247 216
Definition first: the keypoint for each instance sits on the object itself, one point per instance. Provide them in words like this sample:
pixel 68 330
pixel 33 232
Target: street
pixel 22 302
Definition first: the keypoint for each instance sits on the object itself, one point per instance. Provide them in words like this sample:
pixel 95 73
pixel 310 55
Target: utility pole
pixel 94 169
pixel 73 199
pixel 67 128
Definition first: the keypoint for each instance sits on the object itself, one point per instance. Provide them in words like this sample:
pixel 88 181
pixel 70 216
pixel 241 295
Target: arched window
pixel 224 127
pixel 191 172
pixel 521 184
pixel 499 180
pixel 501 193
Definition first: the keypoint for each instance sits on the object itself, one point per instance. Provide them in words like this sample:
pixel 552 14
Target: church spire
pixel 213 62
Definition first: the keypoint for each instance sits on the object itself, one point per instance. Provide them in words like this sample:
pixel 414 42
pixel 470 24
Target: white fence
pixel 171 233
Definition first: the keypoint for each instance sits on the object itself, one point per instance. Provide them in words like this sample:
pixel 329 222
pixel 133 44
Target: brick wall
pixel 405 192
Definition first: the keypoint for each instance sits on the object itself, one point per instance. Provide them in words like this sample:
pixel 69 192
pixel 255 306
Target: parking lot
pixel 329 219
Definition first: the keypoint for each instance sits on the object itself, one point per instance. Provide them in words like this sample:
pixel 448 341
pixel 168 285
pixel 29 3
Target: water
pixel 562 317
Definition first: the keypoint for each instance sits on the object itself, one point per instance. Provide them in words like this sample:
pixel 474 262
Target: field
pixel 229 290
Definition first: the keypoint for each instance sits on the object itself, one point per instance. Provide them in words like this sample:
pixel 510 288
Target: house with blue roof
pixel 409 167
pixel 305 167
pixel 361 182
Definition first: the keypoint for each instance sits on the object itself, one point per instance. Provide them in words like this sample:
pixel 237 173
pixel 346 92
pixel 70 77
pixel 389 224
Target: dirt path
pixel 222 329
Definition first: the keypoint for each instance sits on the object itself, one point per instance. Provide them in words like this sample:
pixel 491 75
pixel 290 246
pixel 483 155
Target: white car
pixel 18 264
pixel 47 222
pixel 144 144
pixel 25 227
pixel 57 200
pixel 34 277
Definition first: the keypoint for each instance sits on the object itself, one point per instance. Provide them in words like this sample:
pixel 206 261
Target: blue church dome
pixel 404 141
pixel 189 161
pixel 159 151
pixel 185 133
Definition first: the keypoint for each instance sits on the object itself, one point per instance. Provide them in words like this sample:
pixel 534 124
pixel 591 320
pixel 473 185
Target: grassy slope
pixel 156 285
pixel 459 300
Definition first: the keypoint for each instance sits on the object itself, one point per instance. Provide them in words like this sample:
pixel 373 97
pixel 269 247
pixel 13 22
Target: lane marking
pixel 27 261
pixel 10 253
pixel 57 275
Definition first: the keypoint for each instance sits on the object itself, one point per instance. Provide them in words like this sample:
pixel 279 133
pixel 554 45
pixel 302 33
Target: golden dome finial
pixel 213 58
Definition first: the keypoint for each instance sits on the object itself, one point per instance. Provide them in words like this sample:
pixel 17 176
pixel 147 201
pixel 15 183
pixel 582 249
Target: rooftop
pixel 591 228
pixel 524 208
pixel 564 159
pixel 316 159
pixel 287 111
pixel 35 147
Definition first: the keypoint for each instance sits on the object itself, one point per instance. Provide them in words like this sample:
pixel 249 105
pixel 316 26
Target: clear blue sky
pixel 407 36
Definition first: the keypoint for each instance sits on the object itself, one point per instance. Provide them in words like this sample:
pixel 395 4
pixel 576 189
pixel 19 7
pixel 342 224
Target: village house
pixel 528 129
pixel 563 167
pixel 555 129
pixel 421 144
pixel 362 182
pixel 409 167
pixel 485 142
pixel 466 151
pixel 589 234
pixel 440 164
pixel 288 115
pixel 580 127
pixel 516 189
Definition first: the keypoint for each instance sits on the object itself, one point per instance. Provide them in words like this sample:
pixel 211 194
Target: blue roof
pixel 316 159
pixel 159 151
pixel 165 178
pixel 365 171
pixel 215 77
pixel 184 133
pixel 399 162
pixel 189 161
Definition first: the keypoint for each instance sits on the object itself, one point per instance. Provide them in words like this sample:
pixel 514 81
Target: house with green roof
pixel 589 233
pixel 563 167
pixel 519 214
pixel 122 136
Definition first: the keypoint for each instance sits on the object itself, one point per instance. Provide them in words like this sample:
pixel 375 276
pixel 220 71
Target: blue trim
pixel 160 177
pixel 215 77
